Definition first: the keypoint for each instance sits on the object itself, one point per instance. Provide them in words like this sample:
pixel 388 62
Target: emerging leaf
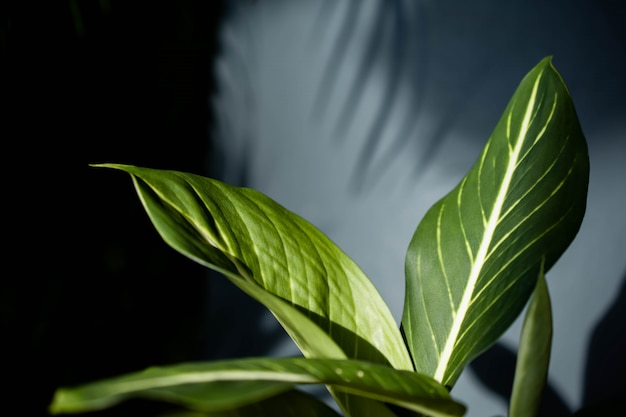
pixel 475 257
pixel 533 356
pixel 219 386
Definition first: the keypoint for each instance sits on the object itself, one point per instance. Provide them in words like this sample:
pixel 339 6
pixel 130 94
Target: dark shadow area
pixel 606 364
pixel 239 325
pixel 91 290
pixel 606 361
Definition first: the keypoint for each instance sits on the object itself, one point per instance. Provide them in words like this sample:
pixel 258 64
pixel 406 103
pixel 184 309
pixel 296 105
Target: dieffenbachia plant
pixel 474 262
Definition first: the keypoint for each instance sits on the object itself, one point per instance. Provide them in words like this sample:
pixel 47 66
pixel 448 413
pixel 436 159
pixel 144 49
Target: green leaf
pixel 292 403
pixel 175 384
pixel 475 257
pixel 250 238
pixel 533 356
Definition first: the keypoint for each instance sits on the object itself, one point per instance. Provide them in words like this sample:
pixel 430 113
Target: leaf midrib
pixel 490 227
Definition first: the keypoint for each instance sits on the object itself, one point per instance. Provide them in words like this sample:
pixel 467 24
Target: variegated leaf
pixel 475 257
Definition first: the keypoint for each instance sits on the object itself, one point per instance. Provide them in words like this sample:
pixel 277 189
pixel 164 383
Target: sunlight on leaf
pixel 475 257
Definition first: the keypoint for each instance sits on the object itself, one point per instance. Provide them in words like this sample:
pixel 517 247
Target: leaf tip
pixel 129 169
pixel 109 165
pixel 58 401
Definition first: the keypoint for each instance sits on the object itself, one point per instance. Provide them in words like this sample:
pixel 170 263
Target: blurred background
pixel 356 115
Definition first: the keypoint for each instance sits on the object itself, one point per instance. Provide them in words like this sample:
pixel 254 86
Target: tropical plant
pixel 476 260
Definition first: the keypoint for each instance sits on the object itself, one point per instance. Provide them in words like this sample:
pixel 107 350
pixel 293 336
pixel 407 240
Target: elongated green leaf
pixel 533 356
pixel 244 234
pixel 404 388
pixel 475 257
pixel 289 404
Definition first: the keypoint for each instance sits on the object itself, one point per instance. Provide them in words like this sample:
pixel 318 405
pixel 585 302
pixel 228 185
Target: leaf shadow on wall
pixel 396 44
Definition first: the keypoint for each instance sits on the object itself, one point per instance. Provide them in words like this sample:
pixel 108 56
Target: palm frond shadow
pixel 393 43
pixel 606 365
pixel 330 75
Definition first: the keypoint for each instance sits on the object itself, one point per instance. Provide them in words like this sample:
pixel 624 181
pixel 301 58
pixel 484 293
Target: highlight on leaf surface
pixel 475 257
